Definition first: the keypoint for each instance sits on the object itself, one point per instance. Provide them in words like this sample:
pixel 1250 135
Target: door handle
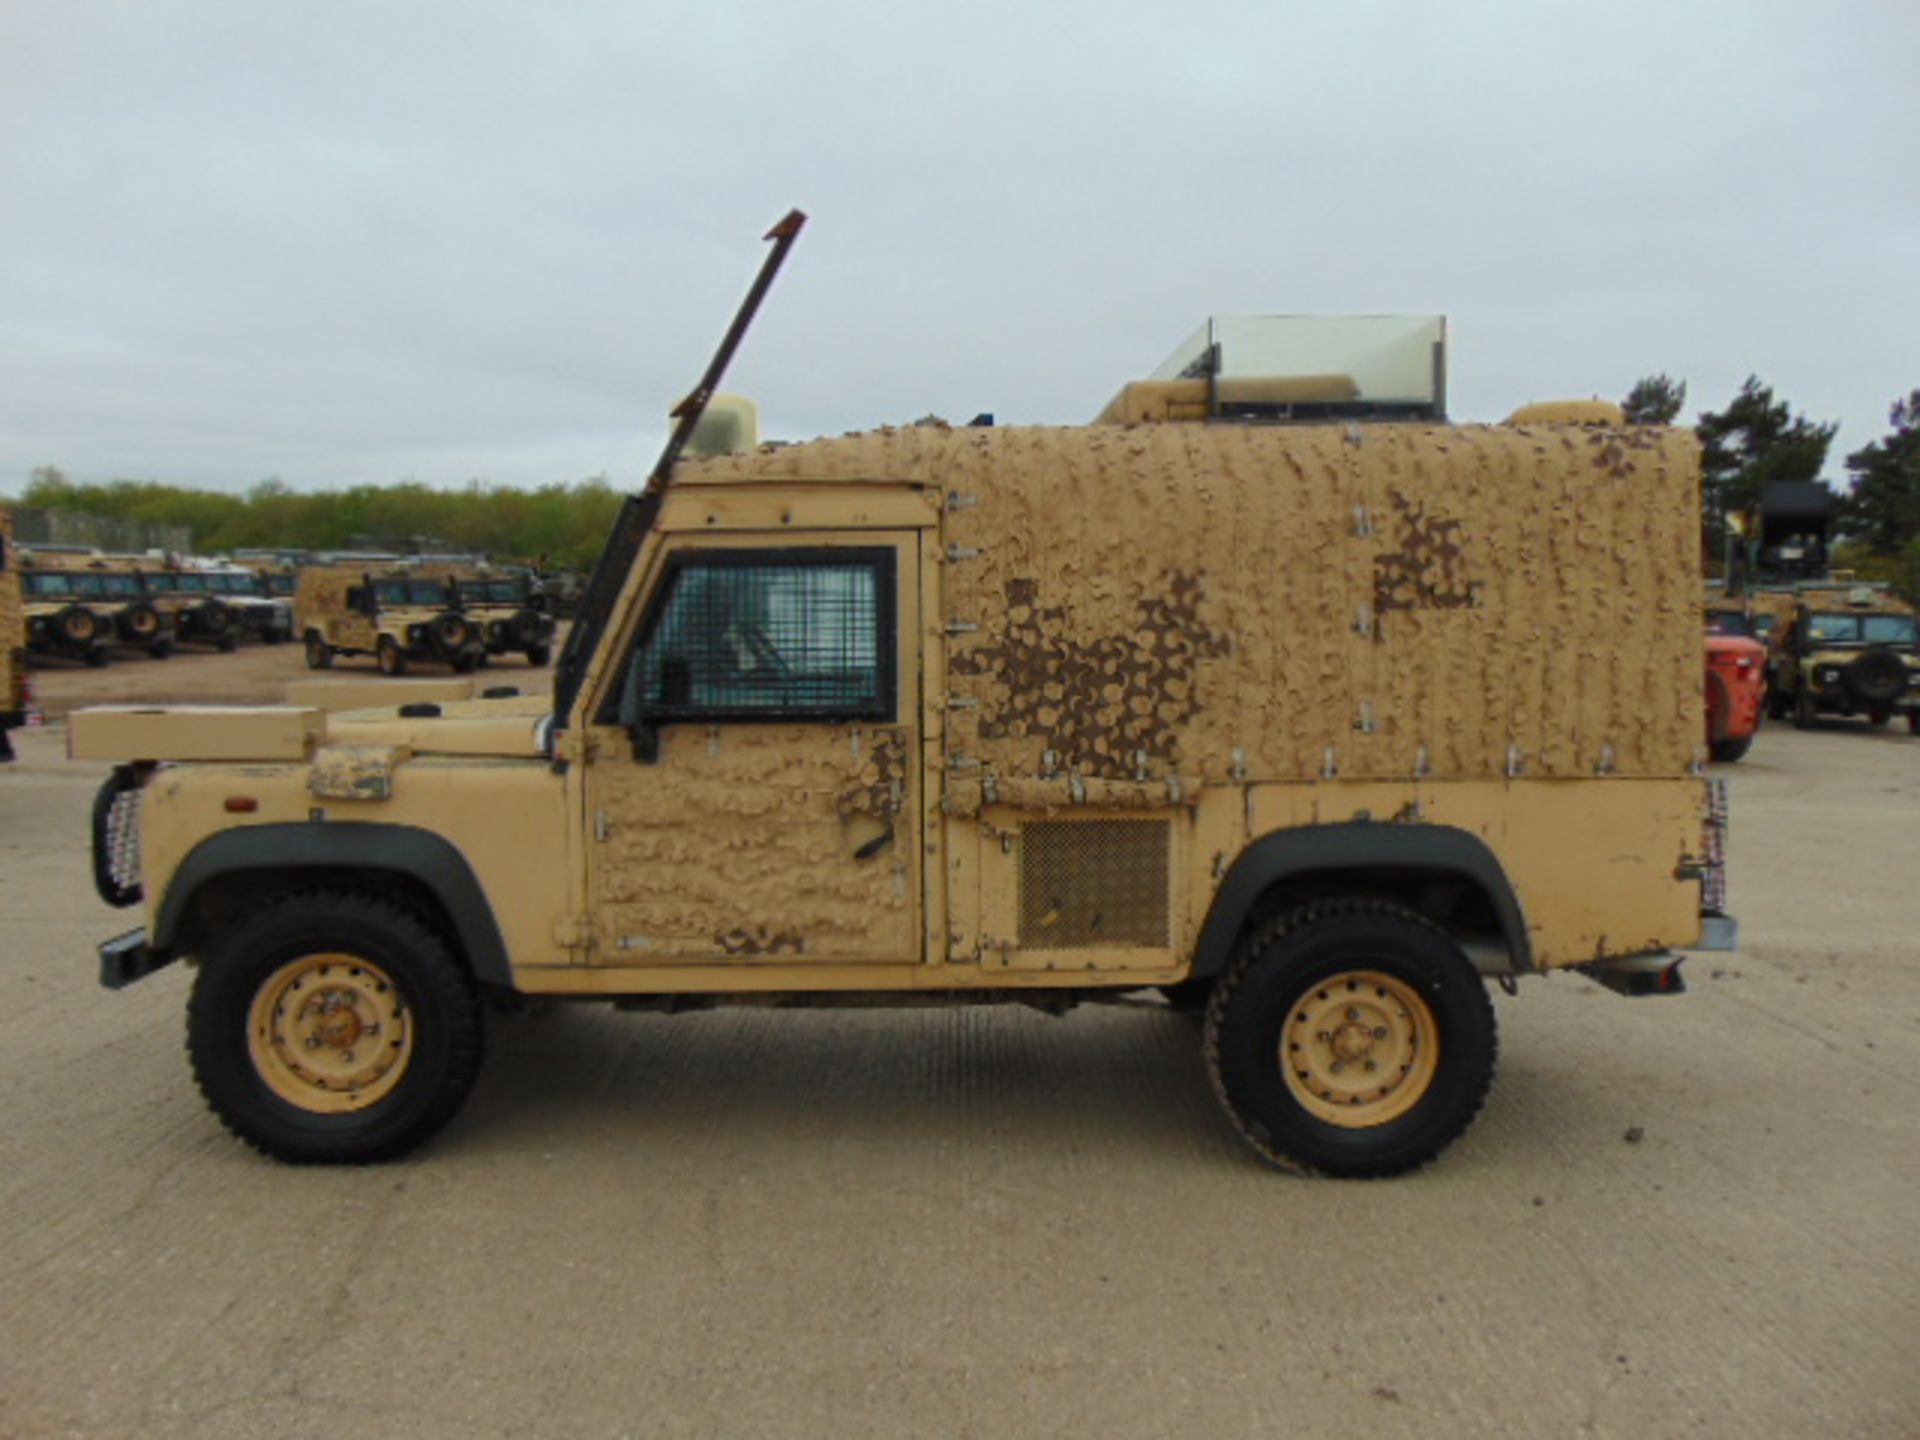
pixel 874 846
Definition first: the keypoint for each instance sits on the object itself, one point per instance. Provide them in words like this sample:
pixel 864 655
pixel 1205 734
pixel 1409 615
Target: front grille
pixel 1093 883
pixel 116 836
pixel 1713 878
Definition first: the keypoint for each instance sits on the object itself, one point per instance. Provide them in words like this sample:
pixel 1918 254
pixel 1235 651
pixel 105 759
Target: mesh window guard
pixel 767 635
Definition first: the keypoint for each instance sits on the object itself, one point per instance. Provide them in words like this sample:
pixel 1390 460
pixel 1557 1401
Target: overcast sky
pixel 343 242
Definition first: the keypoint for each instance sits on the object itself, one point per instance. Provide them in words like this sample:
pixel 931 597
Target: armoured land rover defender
pixel 264 616
pixel 197 613
pixel 82 606
pixel 1314 726
pixel 508 617
pixel 398 616
pixel 1848 650
pixel 14 692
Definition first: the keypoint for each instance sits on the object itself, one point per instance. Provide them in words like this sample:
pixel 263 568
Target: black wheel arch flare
pixel 346 850
pixel 1342 852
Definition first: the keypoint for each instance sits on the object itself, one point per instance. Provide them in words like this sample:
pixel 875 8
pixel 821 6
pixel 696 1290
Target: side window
pixel 767 635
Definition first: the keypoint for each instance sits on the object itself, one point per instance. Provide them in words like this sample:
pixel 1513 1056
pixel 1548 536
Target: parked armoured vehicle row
pixel 84 606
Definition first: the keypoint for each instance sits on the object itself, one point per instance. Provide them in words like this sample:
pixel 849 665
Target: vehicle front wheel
pixel 1731 749
pixel 332 1027
pixel 1803 711
pixel 1878 718
pixel 319 653
pixel 1350 1038
pixel 391 658
pixel 538 655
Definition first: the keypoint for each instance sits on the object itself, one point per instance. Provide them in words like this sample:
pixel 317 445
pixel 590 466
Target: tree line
pixel 1754 439
pixel 1757 438
pixel 566 524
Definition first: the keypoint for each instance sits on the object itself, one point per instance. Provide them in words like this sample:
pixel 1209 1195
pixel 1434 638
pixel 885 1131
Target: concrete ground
pixel 996 1224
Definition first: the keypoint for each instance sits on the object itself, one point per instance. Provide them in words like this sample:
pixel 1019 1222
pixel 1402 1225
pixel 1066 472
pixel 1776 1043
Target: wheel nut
pixel 346 1055
pixel 1324 1035
pixel 1379 1032
pixel 1337 1067
pixel 1352 1013
pixel 1371 1066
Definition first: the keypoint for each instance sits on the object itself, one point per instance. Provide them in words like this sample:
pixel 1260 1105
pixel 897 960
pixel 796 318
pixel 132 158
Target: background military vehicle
pixel 200 613
pixel 14 685
pixel 509 616
pixel 398 616
pixel 1254 712
pixel 262 615
pixel 1848 650
pixel 81 605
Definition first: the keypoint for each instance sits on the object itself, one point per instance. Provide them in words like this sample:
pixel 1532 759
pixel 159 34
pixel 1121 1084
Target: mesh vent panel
pixel 1090 883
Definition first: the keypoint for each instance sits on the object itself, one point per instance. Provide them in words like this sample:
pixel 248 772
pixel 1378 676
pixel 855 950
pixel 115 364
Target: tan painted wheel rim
pixel 329 1033
pixel 1360 1049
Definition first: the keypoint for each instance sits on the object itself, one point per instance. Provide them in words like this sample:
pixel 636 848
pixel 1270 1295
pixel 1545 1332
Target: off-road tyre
pixel 1803 711
pixel 465 662
pixel 140 623
pixel 1876 678
pixel 1878 718
pixel 1913 722
pixel 1376 967
pixel 160 649
pixel 388 655
pixel 1731 749
pixel 245 1029
pixel 76 626
pixel 319 653
pixel 228 642
pixel 539 655
pixel 96 658
pixel 214 619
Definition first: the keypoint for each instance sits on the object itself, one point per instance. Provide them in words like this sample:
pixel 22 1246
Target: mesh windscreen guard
pixel 1094 883
pixel 803 639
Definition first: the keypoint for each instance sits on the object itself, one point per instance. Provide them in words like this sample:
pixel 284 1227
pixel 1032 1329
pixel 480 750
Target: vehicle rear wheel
pixel 1350 1038
pixel 333 1027
pixel 391 658
pixel 538 655
pixel 96 658
pixel 228 643
pixel 160 649
pixel 319 653
pixel 1878 718
pixel 1729 750
pixel 1913 722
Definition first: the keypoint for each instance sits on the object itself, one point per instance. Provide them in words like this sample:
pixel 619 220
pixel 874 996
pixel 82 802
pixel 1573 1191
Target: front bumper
pixel 127 958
